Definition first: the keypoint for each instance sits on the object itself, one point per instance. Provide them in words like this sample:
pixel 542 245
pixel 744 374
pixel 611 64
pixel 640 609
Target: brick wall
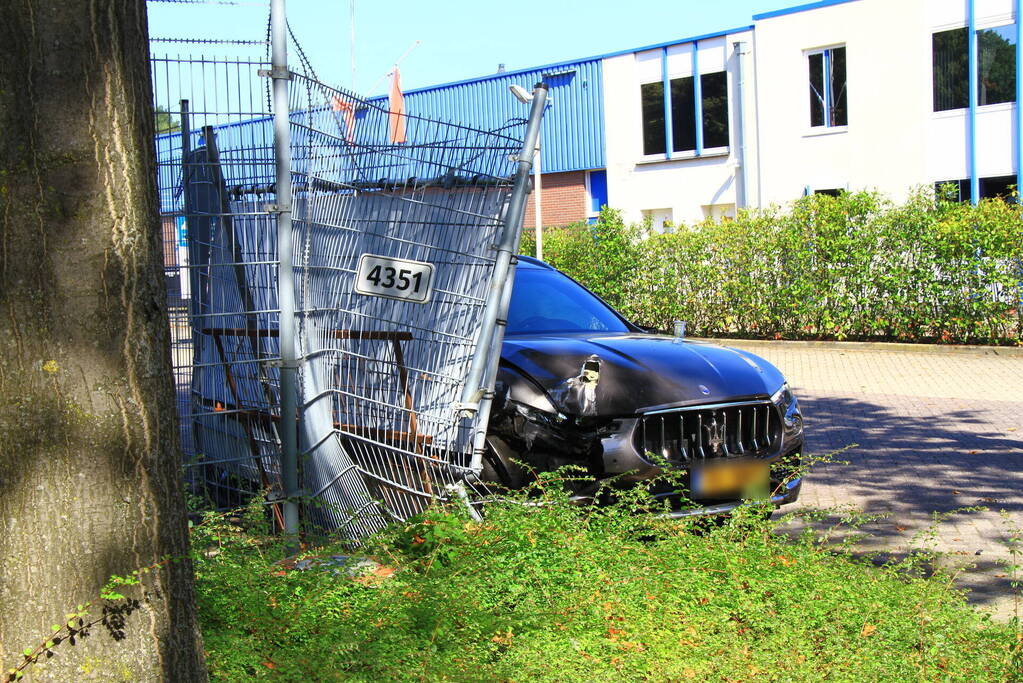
pixel 563 200
pixel 170 241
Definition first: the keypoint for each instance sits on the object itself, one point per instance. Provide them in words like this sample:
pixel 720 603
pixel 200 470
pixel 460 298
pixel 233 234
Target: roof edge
pixel 488 77
pixel 581 60
pixel 799 8
pixel 680 41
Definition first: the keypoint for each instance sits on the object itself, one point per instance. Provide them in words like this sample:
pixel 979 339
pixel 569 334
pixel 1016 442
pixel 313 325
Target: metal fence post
pixel 488 347
pixel 286 273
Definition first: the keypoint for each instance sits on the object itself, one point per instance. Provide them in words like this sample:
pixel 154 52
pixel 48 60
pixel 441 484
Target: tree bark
pixel 90 469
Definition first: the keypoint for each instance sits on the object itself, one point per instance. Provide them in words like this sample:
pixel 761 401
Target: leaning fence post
pixel 474 388
pixel 286 274
pixel 478 388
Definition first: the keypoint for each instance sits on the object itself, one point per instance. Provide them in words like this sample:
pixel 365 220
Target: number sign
pixel 394 278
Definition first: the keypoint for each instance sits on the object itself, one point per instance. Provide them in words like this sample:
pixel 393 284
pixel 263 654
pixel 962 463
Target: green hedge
pixel 851 267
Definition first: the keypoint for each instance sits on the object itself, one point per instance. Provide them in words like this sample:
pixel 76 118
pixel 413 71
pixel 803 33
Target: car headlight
pixel 789 406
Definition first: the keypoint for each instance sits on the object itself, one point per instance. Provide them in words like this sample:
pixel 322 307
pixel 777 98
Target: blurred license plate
pixel 730 479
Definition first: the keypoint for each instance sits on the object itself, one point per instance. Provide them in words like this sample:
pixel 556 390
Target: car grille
pixel 730 430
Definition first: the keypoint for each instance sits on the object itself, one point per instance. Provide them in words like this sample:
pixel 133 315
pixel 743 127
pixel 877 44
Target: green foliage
pixel 603 255
pixel 165 121
pixel 113 615
pixel 850 267
pixel 556 592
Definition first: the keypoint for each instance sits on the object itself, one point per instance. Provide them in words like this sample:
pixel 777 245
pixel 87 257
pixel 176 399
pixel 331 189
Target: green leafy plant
pixel 542 589
pixel 78 624
pixel 857 266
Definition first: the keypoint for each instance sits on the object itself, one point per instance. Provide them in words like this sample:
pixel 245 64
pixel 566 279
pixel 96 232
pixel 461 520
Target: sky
pixel 445 40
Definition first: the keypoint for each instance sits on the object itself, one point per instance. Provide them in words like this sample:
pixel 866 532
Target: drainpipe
pixel 698 98
pixel 741 50
pixel 974 91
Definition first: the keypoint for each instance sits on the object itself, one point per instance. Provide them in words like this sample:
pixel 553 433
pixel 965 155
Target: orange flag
pixel 396 118
pixel 348 113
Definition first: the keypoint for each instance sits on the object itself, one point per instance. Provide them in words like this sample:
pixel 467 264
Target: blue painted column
pixel 697 98
pixel 1019 100
pixel 974 93
pixel 666 85
pixel 826 94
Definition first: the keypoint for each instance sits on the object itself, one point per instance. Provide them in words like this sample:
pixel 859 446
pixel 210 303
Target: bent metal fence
pixel 401 232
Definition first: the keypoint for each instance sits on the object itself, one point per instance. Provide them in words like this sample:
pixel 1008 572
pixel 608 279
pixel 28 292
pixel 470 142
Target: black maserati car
pixel 581 385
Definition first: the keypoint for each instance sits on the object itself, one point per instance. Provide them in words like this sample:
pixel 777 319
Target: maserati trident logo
pixel 715 434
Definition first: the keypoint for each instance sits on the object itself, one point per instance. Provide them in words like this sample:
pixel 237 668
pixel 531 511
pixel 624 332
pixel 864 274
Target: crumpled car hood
pixel 639 372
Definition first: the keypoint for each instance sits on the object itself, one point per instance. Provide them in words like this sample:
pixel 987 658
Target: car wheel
pixel 500 466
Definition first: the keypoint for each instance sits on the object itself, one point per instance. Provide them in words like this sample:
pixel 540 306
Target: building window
pixel 718 212
pixel 1003 187
pixel 828 102
pixel 996 67
pixel 714 93
pixel 950 69
pixel 683 115
pixel 653 118
pixel 713 114
pixel 659 220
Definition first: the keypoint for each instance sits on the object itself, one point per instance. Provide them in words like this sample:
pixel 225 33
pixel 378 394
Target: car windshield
pixel 547 301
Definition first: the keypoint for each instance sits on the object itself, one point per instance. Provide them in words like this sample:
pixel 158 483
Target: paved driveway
pixel 935 430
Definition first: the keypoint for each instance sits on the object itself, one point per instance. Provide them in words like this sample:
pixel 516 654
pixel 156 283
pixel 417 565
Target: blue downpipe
pixel 666 86
pixel 974 91
pixel 697 98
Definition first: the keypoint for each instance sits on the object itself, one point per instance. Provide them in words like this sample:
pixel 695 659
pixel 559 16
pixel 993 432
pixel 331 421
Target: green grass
pixel 562 593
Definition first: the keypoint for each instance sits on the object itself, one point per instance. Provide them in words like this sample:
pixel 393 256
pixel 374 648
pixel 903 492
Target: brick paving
pixel 933 432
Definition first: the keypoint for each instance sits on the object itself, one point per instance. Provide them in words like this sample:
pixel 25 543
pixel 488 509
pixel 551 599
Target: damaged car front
pixel 580 385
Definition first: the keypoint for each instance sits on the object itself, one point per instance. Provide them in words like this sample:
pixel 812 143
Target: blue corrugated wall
pixel 572 135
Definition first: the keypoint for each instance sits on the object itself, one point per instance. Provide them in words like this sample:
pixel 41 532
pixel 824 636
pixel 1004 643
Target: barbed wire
pixel 306 64
pixel 205 41
pixel 298 48
pixel 269 60
pixel 243 3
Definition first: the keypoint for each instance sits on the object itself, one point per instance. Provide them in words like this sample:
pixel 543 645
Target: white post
pixel 351 7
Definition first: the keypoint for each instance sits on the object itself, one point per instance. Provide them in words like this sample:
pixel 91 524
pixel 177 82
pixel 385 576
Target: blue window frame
pixel 709 119
pixel 685 114
pixel 598 192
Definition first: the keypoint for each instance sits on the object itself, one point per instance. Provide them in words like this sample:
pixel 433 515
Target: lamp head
pixel 521 94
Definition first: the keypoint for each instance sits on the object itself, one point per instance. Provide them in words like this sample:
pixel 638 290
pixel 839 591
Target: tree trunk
pixel 90 482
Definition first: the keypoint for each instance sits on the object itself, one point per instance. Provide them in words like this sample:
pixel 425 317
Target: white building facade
pixel 673 142
pixel 834 95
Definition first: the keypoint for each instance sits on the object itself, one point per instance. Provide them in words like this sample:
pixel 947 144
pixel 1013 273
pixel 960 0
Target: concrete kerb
pixel 1012 351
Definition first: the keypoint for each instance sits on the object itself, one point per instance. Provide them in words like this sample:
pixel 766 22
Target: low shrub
pixel 563 593
pixel 855 266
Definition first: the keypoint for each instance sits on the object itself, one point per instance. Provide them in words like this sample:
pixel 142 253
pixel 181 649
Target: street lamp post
pixel 538 185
